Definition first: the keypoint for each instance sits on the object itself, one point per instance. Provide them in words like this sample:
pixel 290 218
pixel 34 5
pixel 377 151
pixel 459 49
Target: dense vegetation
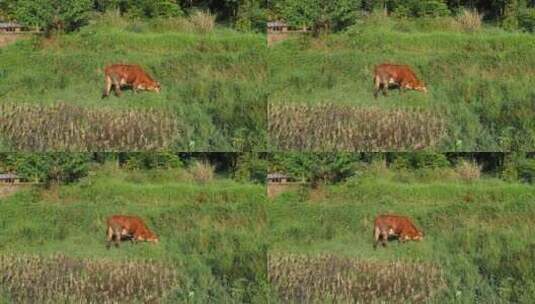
pixel 478 82
pixel 252 14
pixel 212 79
pixel 212 233
pixel 478 245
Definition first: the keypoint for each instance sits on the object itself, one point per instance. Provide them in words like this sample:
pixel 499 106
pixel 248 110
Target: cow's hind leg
pixel 116 85
pixel 109 238
pixel 376 236
pixel 376 86
pixel 107 87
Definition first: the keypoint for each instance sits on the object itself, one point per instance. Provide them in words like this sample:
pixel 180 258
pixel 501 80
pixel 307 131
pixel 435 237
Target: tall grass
pixel 478 82
pixel 331 127
pixel 470 20
pixel 311 279
pixel 478 234
pixel 213 82
pixel 66 127
pixel 34 278
pixel 212 235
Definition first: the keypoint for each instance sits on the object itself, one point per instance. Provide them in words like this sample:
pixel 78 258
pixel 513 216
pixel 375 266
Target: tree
pixel 321 15
pixel 48 167
pixel 61 15
pixel 152 160
pixel 316 167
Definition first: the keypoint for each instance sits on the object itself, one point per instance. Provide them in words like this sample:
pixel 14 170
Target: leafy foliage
pixel 151 160
pixel 315 167
pixel 53 14
pixel 47 167
pixel 319 14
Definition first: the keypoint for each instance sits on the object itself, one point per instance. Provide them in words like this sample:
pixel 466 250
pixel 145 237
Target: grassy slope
pixel 480 233
pixel 212 81
pixel 210 233
pixel 480 81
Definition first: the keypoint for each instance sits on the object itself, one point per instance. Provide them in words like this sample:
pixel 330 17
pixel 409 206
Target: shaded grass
pixel 478 232
pixel 212 234
pixel 480 82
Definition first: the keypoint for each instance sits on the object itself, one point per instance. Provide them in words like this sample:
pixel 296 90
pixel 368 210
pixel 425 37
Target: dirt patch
pixel 7 190
pixel 274 189
pixel 7 39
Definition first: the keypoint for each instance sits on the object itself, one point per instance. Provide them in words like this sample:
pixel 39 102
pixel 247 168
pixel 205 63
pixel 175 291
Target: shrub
pixel 152 160
pixel 526 170
pixel 470 20
pixel 202 171
pixel 53 14
pixel 526 19
pixel 48 167
pixel 422 8
pixel 468 171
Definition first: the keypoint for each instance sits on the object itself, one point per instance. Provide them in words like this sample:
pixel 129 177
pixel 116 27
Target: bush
pixel 152 160
pixel 321 15
pixel 526 170
pixel 526 20
pixel 470 20
pixel 422 8
pixel 202 171
pixel 51 15
pixel 47 167
pixel 468 171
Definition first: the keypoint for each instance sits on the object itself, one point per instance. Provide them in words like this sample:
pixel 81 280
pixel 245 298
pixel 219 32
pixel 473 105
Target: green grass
pixel 212 234
pixel 480 82
pixel 479 233
pixel 214 81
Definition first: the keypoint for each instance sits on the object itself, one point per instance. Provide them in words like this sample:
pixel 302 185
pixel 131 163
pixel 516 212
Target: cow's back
pixel 129 223
pixel 398 72
pixel 128 72
pixel 395 222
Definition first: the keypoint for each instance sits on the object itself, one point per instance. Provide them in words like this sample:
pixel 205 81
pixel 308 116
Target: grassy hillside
pixel 212 245
pixel 480 83
pixel 478 245
pixel 212 79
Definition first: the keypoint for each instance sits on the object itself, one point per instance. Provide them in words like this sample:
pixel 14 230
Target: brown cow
pixel 122 227
pixel 397 226
pixel 395 75
pixel 119 75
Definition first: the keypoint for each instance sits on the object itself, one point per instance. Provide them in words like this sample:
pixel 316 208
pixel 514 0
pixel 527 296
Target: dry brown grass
pixel 468 171
pixel 470 20
pixel 202 21
pixel 327 278
pixel 330 127
pixel 60 279
pixel 66 127
pixel 202 171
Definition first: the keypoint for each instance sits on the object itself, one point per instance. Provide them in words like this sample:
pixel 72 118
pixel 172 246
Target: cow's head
pixel 417 86
pixel 155 87
pixel 418 236
pixel 147 235
pixel 420 86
